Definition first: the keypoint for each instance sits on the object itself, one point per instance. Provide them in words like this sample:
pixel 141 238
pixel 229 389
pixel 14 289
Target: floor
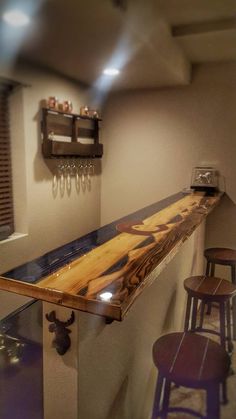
pixel 196 398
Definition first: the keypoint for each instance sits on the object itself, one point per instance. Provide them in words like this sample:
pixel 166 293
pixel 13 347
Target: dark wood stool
pixel 222 256
pixel 209 290
pixel 189 360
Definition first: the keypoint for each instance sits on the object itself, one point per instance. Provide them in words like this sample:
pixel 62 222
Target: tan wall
pixel 153 139
pixel 47 217
pixel 221 231
pixel 53 218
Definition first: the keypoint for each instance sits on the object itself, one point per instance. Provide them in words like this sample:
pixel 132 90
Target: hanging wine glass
pixel 82 166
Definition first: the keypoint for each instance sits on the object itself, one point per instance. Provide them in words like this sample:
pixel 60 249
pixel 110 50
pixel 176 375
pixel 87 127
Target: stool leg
pixel 202 314
pixel 213 402
pixel 228 323
pixel 212 273
pixel 233 279
pixel 234 317
pixel 166 398
pixel 157 398
pixel 212 269
pixel 208 309
pixel 222 324
pixel 208 274
pixel 208 268
pixel 187 315
pixel 224 392
pixel 233 275
pixel 194 314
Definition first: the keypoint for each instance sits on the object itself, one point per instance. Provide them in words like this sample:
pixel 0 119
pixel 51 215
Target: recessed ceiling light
pixel 16 18
pixel 111 71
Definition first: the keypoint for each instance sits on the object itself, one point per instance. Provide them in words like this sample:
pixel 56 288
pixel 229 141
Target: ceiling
pixel 152 42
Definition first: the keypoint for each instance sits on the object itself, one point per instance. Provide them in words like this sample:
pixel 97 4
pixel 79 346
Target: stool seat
pixel 221 255
pixel 209 288
pixel 193 361
pixel 190 360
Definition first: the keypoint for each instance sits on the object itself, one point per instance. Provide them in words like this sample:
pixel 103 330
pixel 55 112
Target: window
pixel 6 199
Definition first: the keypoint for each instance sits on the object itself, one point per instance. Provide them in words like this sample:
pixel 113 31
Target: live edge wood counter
pixel 123 265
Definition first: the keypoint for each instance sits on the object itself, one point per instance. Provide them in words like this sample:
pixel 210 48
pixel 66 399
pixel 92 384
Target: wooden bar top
pixel 121 259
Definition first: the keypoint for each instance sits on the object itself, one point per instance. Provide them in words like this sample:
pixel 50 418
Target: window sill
pixel 14 236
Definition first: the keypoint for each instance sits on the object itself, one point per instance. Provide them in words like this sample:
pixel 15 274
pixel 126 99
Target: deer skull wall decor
pixel 62 341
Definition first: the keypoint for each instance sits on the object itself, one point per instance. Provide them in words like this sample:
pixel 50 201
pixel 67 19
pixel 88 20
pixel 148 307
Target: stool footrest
pixel 205 330
pixel 214 332
pixel 183 410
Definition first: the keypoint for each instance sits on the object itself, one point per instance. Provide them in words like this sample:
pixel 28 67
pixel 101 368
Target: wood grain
pixel 190 360
pixel 80 284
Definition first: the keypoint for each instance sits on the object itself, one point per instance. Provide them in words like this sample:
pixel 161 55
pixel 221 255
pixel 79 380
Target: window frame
pixel 6 181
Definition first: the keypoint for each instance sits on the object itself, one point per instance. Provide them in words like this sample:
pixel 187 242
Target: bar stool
pixel 222 256
pixel 193 361
pixel 208 290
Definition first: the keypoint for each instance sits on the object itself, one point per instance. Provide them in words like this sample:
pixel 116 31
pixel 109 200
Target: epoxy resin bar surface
pixel 120 265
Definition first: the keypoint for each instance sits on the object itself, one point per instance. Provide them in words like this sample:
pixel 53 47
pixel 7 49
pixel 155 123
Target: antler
pixel 51 317
pixel 71 320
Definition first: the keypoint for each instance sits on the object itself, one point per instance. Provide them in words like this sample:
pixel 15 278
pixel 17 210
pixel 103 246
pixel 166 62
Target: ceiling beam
pixel 203 27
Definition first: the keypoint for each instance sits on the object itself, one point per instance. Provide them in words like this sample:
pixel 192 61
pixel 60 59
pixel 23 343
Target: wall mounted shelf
pixel 74 128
